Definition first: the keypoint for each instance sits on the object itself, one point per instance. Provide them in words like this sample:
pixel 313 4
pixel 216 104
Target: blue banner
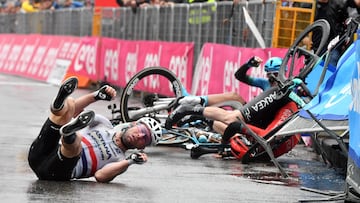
pixel 354 113
pixel 334 98
pixel 312 78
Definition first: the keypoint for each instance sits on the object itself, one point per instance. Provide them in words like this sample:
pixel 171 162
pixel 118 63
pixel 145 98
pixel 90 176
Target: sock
pixel 205 99
pixel 69 139
pixel 210 123
pixel 231 130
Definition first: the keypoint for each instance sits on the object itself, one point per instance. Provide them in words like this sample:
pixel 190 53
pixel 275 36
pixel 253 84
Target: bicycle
pixel 149 103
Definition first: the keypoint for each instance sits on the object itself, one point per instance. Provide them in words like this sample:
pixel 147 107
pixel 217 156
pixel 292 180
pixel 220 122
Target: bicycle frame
pixel 160 105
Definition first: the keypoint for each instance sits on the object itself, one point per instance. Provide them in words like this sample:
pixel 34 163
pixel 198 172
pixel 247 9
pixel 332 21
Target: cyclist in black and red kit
pixel 90 145
pixel 259 112
pixel 262 114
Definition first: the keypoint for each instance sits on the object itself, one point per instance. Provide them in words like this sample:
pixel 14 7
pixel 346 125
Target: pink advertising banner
pixel 32 56
pixel 120 60
pixel 50 58
pixel 86 59
pixel 214 71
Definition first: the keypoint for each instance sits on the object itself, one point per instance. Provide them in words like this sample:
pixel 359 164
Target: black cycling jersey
pixel 261 110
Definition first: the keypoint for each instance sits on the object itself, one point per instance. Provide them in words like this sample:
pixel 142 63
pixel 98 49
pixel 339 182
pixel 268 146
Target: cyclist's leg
pixel 63 109
pixel 211 99
pixel 219 114
pixel 219 127
pixel 47 143
pixel 228 96
pixel 210 112
pixel 66 113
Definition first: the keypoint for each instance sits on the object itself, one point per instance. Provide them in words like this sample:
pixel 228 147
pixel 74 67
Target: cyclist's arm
pixel 241 75
pixel 111 170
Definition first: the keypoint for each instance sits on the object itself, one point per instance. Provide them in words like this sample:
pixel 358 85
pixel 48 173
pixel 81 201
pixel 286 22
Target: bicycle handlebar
pixel 290 85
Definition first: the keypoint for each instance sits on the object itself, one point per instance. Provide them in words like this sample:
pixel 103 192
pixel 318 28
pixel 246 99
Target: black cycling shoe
pixel 180 112
pixel 231 130
pixel 80 122
pixel 198 151
pixel 101 94
pixel 67 88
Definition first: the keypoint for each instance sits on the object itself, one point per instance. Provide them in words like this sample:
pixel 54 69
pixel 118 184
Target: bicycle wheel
pixel 136 103
pixel 301 57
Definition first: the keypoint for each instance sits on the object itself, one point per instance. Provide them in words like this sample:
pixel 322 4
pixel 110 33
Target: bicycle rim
pixel 297 50
pixel 128 101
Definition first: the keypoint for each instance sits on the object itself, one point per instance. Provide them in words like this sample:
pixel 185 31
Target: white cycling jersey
pixel 99 148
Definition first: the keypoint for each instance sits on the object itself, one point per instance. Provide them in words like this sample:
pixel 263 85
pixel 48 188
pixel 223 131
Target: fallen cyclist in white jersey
pixel 90 145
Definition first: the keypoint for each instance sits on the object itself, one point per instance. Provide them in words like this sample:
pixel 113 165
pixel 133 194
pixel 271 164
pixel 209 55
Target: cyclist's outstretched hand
pixel 137 158
pixel 106 92
pixel 255 61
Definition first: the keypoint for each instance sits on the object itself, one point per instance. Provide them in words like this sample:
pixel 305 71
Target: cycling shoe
pixel 67 88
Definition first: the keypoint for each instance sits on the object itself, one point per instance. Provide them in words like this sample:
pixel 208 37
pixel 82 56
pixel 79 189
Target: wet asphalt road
pixel 170 175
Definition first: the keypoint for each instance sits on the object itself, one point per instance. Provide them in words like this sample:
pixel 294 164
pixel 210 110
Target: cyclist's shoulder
pixel 259 82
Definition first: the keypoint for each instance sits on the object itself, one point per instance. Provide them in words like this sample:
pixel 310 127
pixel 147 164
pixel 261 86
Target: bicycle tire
pixel 321 24
pixel 129 88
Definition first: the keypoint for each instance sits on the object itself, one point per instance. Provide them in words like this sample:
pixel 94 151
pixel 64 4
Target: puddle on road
pixel 273 178
pixel 309 174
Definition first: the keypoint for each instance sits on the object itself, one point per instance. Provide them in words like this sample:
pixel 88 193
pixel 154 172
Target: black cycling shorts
pixel 45 158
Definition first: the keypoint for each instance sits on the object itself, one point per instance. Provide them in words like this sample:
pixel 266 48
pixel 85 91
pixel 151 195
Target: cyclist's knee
pixel 233 116
pixel 236 97
pixel 65 114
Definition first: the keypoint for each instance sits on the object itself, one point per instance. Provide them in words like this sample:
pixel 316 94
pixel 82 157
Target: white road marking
pixel 24 84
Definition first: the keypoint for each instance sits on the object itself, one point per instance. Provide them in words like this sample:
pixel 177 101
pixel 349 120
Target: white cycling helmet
pixel 154 126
